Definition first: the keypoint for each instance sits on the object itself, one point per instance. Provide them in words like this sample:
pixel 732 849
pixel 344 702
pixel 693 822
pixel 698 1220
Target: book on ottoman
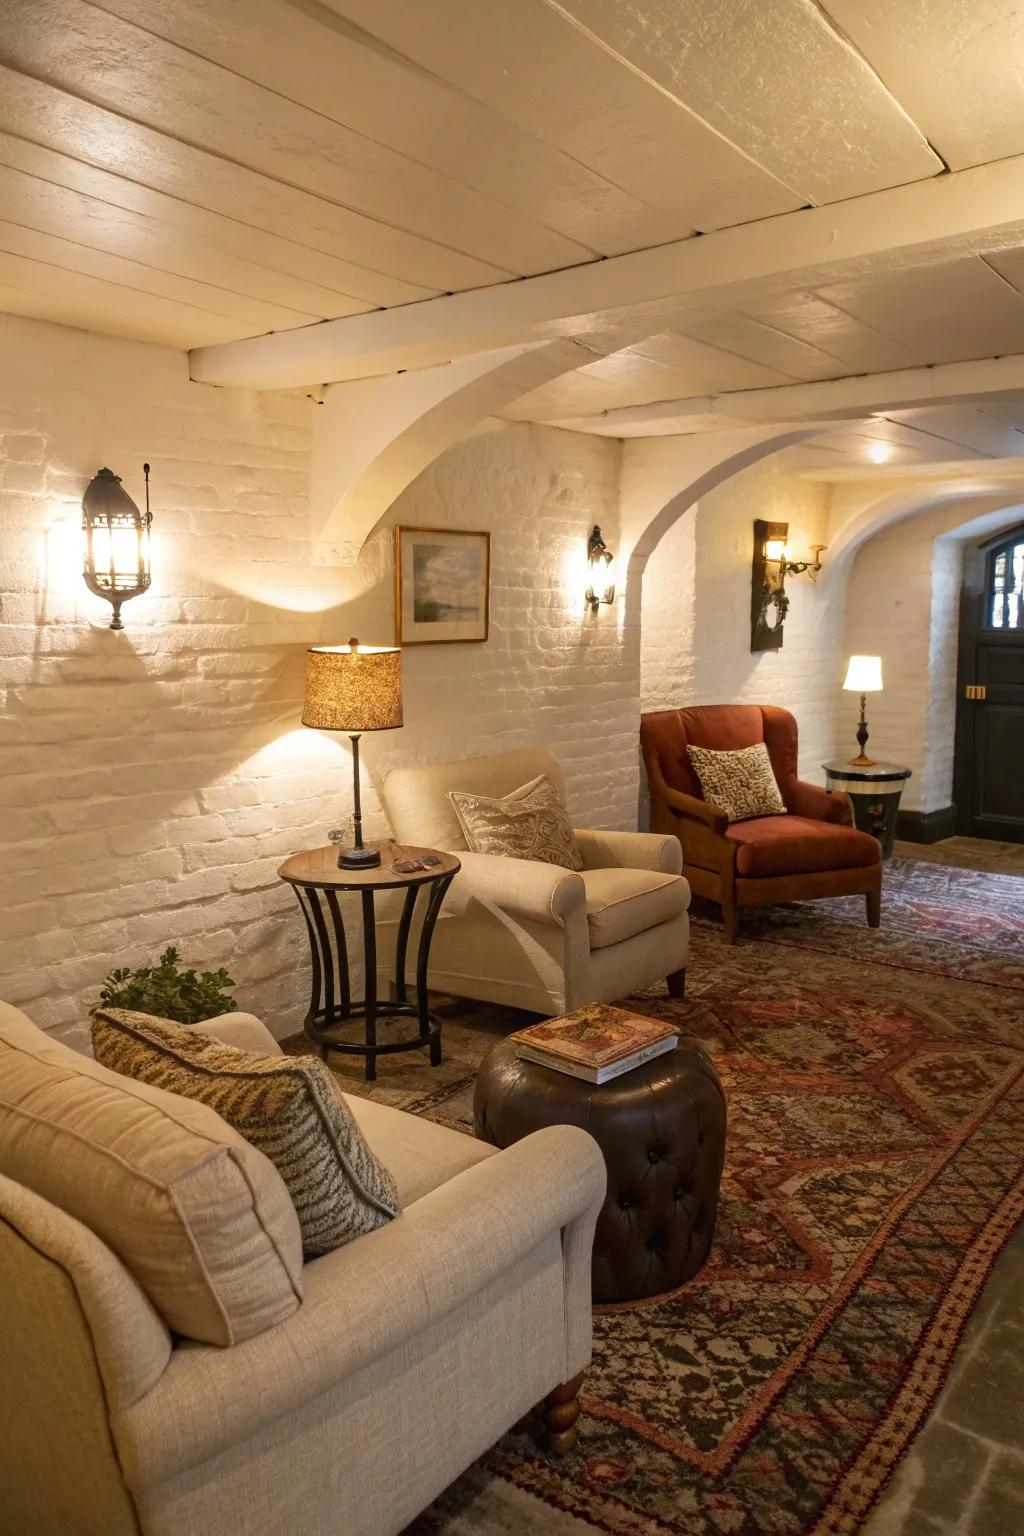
pixel 596 1043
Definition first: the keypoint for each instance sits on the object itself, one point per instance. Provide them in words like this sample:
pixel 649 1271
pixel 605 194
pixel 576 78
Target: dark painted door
pixel 989 777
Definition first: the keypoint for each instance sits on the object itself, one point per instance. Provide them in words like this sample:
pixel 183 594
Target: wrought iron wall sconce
pixel 116 539
pixel 769 601
pixel 602 571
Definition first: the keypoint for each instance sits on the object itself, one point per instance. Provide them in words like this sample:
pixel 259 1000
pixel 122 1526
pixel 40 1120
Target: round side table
pixel 317 882
pixel 874 792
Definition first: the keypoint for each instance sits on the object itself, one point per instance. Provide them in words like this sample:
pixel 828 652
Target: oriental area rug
pixel 873 1172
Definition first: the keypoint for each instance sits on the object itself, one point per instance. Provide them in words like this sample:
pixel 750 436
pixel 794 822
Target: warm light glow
pixel 879 453
pixel 116 554
pixel 776 549
pixel 864 674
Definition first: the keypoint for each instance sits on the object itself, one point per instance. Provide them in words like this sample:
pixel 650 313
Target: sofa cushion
pixel 198 1216
pixel 625 902
pixel 795 845
pixel 740 783
pixel 290 1107
pixel 530 823
pixel 421 1155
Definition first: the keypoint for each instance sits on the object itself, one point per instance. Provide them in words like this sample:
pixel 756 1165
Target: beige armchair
pixel 533 935
pixel 414 1349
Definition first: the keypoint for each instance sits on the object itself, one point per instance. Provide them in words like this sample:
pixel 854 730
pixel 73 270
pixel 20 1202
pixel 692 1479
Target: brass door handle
pixel 975 691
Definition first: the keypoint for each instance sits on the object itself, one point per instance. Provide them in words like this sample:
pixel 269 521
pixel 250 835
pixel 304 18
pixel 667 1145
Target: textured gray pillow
pixel 529 823
pixel 289 1107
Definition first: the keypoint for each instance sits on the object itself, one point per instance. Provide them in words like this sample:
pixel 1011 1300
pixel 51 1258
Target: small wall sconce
pixel 769 603
pixel 602 571
pixel 116 539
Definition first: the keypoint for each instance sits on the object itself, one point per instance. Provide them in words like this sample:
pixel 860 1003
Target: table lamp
pixel 354 688
pixel 863 676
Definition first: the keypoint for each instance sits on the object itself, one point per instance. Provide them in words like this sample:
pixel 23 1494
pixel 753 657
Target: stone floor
pixel 964 1474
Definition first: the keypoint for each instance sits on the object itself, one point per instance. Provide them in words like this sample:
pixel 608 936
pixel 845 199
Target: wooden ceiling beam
pixel 936 220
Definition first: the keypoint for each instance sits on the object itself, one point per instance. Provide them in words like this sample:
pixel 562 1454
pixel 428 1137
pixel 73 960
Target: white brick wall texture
pixel 152 781
pixel 696 611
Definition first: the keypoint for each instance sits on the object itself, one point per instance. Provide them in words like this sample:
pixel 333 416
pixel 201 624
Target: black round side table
pixel 317 882
pixel 874 790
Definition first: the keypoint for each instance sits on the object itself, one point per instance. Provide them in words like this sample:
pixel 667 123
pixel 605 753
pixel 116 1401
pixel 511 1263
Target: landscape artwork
pixel 442 581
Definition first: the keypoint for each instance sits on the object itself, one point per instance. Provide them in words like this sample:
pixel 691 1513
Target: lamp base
pixel 862 762
pixel 359 858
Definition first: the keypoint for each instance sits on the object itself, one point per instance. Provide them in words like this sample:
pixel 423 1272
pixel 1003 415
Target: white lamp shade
pixel 864 674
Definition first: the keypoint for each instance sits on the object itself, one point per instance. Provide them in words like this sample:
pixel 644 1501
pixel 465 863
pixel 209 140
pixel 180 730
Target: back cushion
pixel 723 727
pixel 200 1218
pixel 417 799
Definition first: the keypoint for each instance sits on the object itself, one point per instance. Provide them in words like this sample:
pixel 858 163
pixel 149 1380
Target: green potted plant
pixel 168 992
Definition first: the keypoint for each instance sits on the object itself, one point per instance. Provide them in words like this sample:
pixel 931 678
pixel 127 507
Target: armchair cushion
pixel 288 1106
pixel 796 845
pixel 740 783
pixel 624 902
pixel 530 823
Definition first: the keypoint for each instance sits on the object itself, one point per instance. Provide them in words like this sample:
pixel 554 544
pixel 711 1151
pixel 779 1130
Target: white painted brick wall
pixel 696 611
pixel 903 604
pixel 152 781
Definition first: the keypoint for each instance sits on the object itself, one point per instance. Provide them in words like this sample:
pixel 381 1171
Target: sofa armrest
pixel 367 1299
pixel 547 893
pixel 818 804
pixel 242 1030
pixel 630 850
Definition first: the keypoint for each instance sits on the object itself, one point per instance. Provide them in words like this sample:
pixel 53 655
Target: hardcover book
pixel 593 1037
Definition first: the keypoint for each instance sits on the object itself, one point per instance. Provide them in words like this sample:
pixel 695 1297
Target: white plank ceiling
pixel 195 173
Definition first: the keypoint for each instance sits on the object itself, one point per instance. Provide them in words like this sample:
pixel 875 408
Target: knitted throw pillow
pixel 741 783
pixel 530 823
pixel 289 1107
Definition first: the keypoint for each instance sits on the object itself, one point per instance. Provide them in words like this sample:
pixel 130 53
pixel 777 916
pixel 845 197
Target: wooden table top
pixel 319 867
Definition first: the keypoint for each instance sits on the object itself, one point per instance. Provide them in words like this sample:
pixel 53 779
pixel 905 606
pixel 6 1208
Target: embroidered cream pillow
pixel 289 1107
pixel 740 783
pixel 530 823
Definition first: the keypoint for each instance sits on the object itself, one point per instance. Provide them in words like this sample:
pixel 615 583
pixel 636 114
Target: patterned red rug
pixel 874 1170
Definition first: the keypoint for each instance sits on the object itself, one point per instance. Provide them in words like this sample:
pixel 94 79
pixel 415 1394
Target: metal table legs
pixel 331 1003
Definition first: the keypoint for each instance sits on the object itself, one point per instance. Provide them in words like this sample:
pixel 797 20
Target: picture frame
pixel 442 586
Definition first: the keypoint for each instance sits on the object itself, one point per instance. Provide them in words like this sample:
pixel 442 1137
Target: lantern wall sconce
pixel 601 588
pixel 116 539
pixel 769 601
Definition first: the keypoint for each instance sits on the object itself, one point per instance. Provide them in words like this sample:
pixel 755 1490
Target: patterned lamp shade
pixel 353 688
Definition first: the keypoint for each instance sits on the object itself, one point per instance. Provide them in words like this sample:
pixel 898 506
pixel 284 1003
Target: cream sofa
pixel 414 1349
pixel 534 935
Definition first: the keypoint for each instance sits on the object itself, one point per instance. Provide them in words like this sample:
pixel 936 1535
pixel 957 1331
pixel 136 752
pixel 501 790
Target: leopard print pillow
pixel 741 783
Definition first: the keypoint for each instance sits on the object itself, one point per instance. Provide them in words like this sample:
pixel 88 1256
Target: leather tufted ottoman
pixel 661 1128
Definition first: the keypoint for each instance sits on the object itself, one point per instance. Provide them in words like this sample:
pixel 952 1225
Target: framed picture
pixel 442 586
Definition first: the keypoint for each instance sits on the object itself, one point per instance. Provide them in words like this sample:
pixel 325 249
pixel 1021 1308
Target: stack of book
pixel 595 1043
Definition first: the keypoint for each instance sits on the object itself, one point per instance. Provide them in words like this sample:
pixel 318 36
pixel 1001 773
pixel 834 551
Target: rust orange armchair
pixel 813 851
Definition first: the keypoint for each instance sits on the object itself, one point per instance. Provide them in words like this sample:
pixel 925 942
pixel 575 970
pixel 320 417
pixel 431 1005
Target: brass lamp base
pixel 862 762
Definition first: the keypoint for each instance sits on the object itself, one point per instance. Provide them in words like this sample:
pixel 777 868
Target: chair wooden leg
pixel 730 920
pixel 676 983
pixel 873 901
pixel 560 1410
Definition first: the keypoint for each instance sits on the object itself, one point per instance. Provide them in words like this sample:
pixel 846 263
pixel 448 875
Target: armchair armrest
pixel 547 893
pixel 630 850
pixel 817 804
pixel 692 809
pixel 242 1030
pixel 366 1299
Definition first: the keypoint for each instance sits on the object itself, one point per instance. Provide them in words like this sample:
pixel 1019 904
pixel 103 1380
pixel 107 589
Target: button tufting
pixel 654 1155
pixel 625 1202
